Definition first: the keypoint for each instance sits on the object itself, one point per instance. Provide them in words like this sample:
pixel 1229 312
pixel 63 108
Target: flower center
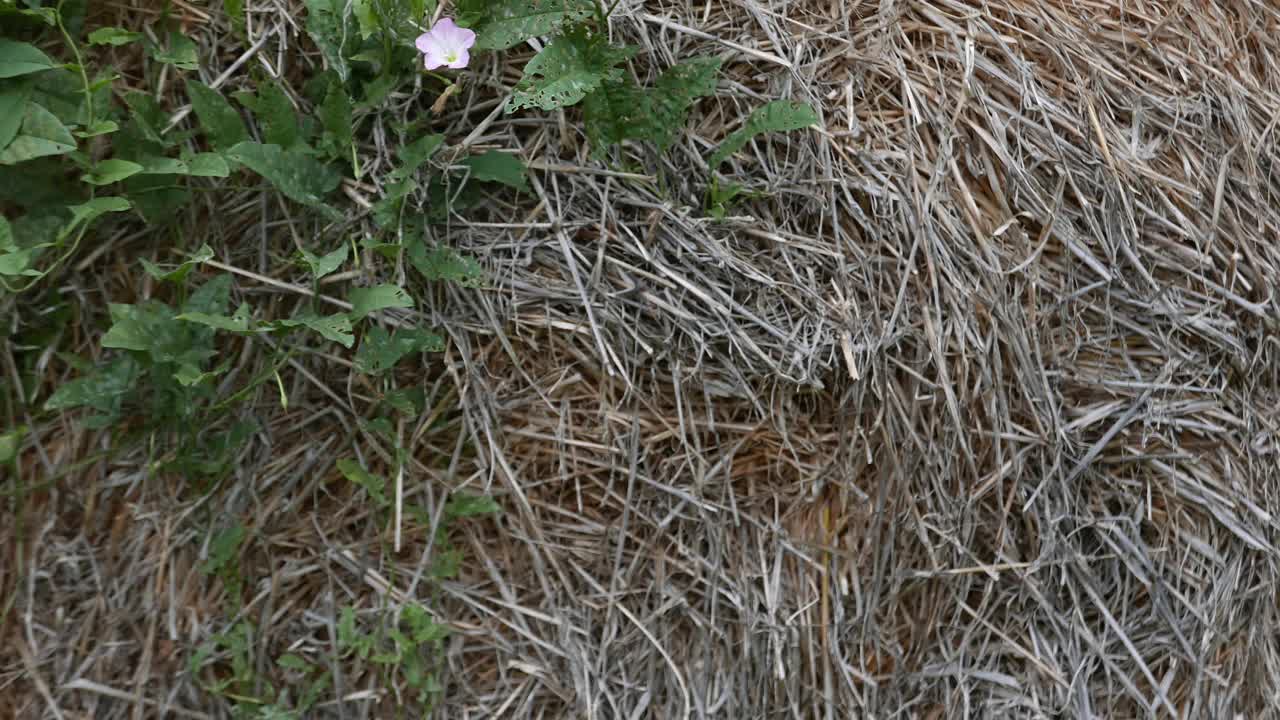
pixel 451 56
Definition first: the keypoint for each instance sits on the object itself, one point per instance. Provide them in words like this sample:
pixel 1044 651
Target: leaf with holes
pixel 335 327
pixel 778 116
pixel 501 24
pixel 442 263
pixel 380 350
pixel 566 70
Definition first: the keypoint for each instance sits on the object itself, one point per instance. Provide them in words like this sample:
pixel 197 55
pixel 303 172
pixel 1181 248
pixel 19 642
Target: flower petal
pixel 433 60
pixel 463 57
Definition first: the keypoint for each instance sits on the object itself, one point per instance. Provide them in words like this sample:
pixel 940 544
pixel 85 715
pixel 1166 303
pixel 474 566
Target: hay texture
pixel 969 408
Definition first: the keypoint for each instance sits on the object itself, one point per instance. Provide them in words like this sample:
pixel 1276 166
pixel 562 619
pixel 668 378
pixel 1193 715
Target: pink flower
pixel 446 45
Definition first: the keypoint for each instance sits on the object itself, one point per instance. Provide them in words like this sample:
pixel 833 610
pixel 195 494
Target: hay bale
pixel 974 415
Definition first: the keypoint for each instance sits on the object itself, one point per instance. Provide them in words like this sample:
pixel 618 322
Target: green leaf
pixel 102 389
pixel 375 485
pixel 12 102
pixel 99 127
pixel 18 262
pixel 620 110
pixel 777 116
pixel 9 444
pixel 387 210
pixel 380 351
pixel 413 155
pixel 566 70
pixel 500 167
pixel 111 171
pixel 289 661
pixel 113 36
pixel 368 300
pixel 178 274
pixel 7 242
pixel 195 165
pixel 42 134
pixel 182 52
pixel 442 263
pixel 19 58
pixel 223 550
pixel 322 265
pixel 326 25
pixel 296 174
pixel 275 115
pixel 240 322
pixel 88 212
pixel 212 297
pixel 332 327
pixel 408 401
pixel 221 123
pixel 210 165
pixel 507 23
pixel 462 505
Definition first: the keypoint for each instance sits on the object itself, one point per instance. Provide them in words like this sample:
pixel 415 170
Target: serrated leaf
pixel 322 265
pixel 111 171
pixel 336 118
pixel 274 113
pixel 498 167
pixel 777 116
pixel 506 23
pixel 380 351
pixel 375 485
pixel 296 174
pixel 181 53
pixel 331 327
pixel 113 36
pixel 566 70
pixel 19 58
pixel 442 263
pixel 223 550
pixel 221 122
pixel 42 134
pixel 619 110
